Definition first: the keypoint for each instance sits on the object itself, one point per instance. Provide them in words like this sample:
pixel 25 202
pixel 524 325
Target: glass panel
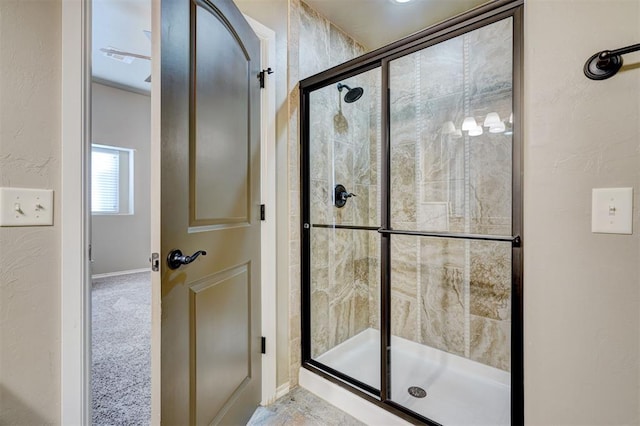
pixel 451 328
pixel 345 300
pixel 344 149
pixel 451 138
pixel 451 162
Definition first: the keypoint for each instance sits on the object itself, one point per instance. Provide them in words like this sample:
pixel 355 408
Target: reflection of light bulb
pixel 492 119
pixel 457 134
pixel 511 119
pixel 476 131
pixel 448 128
pixel 469 123
pixel 497 128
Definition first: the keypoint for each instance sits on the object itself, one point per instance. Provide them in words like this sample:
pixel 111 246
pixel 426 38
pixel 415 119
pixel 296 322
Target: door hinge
pixel 261 76
pixel 263 348
pixel 155 262
pixel 262 212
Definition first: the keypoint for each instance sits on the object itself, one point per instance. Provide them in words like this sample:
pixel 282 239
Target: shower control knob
pixel 346 195
pixel 341 195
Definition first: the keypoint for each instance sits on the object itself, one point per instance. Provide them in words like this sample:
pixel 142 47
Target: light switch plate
pixel 612 210
pixel 26 207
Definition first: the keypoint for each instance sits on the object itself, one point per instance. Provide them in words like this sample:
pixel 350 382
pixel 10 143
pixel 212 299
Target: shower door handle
pixel 175 259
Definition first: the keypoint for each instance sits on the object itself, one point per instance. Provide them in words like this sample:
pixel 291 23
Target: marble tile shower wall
pixel 340 153
pixel 452 295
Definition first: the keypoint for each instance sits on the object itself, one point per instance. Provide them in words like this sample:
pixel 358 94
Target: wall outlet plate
pixel 612 210
pixel 26 207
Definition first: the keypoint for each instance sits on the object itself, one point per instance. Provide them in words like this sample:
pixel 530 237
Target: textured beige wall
pixel 122 119
pixel 30 78
pixel 581 298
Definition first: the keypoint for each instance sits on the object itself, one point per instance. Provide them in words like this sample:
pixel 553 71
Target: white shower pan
pixel 459 391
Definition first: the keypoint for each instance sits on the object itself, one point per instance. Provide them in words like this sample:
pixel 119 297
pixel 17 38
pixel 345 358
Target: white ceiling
pixel 120 24
pixel 376 23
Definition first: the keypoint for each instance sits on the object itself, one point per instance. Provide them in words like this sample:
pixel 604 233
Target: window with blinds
pixel 111 180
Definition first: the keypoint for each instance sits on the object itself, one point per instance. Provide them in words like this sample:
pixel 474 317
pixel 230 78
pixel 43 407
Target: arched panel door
pixel 210 355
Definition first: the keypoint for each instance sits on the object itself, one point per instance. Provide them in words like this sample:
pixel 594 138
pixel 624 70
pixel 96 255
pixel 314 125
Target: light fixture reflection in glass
pixel 492 119
pixel 469 123
pixel 448 128
pixel 497 128
pixel 476 131
pixel 401 1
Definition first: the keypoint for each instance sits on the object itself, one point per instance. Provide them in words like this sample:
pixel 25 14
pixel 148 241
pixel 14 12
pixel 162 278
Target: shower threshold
pixel 459 391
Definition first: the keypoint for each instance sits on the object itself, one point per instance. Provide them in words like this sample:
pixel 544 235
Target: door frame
pixel 75 303
pixel 268 198
pixel 75 279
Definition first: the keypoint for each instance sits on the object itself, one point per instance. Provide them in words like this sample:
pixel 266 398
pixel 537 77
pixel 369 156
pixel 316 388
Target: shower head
pixel 352 95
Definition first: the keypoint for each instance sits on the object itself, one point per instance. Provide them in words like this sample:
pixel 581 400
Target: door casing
pixel 75 314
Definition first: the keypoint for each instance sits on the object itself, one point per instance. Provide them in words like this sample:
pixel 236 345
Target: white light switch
pixel 26 207
pixel 612 210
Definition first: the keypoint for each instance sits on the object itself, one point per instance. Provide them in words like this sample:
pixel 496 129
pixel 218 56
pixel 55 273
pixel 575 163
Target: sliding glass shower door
pixel 344 150
pixel 411 224
pixel 450 109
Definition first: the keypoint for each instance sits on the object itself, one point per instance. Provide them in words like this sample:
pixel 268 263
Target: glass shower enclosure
pixel 411 210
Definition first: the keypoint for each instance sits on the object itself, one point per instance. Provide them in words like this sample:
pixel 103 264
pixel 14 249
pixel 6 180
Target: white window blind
pixel 111 179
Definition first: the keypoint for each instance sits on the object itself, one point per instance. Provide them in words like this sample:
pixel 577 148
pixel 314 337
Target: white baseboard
pixel 282 390
pixel 348 402
pixel 115 274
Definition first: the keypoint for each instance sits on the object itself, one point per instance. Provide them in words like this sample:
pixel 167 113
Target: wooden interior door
pixel 210 344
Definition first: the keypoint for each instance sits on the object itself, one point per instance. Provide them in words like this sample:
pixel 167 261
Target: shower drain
pixel 417 392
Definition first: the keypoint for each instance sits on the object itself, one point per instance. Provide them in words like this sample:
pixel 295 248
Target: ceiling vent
pixel 113 53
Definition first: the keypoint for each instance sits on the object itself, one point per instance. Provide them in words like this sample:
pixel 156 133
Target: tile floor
pixel 301 407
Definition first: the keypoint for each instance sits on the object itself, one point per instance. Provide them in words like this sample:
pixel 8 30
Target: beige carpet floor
pixel 121 350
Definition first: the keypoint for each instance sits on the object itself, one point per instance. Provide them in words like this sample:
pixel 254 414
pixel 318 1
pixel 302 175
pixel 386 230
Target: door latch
pixel 155 262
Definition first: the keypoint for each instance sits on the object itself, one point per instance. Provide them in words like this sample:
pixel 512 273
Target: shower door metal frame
pixel 454 27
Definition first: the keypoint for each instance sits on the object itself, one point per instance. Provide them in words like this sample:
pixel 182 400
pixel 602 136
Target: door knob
pixel 175 259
